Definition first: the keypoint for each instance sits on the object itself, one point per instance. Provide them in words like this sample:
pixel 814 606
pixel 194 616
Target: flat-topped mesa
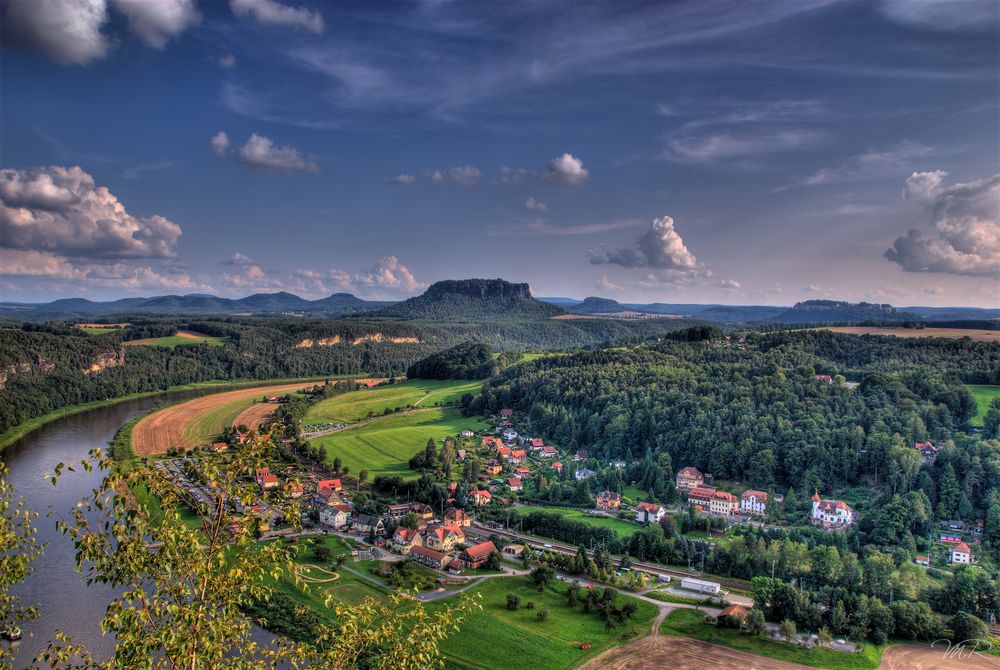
pixel 471 300
pixel 484 289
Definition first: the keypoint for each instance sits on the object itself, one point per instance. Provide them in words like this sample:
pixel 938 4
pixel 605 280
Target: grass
pixel 667 597
pixel 359 405
pixel 207 426
pixel 385 447
pixel 622 528
pixel 100 331
pixel 173 341
pixel 984 395
pixel 690 623
pixel 518 639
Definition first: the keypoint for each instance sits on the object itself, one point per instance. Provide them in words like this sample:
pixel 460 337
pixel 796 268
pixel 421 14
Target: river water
pixel 65 601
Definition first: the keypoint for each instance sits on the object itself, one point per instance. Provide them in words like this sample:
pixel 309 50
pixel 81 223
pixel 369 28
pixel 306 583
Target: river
pixel 65 601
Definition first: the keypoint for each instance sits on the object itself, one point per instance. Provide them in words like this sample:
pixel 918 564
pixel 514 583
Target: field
pixel 690 623
pixel 384 447
pixel 952 333
pixel 984 395
pixel 359 405
pixel 179 338
pixel 518 639
pixel 94 330
pixel 622 529
pixel 171 426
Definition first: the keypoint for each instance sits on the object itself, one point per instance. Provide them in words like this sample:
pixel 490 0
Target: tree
pixel 410 521
pixel 949 493
pixel 513 601
pixel 991 420
pixel 493 561
pixel 542 615
pixel 362 478
pixel 180 592
pixel 322 552
pixel 542 575
pixel 824 636
pixel 580 561
pixel 966 627
pixel 788 631
pixel 753 623
pixel 18 548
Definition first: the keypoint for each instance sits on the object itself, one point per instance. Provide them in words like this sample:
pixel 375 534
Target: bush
pixel 542 615
pixel 964 627
pixel 513 601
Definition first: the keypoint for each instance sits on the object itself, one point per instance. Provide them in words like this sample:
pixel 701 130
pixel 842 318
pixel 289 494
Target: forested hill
pixel 755 412
pixel 471 300
pixel 468 360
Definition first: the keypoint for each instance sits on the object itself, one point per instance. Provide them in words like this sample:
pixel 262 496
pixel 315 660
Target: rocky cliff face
pixel 483 289
pixel 106 359
pixel 337 339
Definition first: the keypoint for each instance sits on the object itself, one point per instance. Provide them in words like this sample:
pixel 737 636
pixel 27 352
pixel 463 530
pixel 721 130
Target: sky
pixel 690 152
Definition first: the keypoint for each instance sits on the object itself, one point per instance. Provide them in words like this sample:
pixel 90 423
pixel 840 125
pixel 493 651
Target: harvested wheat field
pixel 939 657
pixel 952 333
pixel 165 429
pixel 680 653
pixel 255 415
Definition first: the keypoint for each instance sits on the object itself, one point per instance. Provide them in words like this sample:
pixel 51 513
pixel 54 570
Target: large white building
pixel 831 513
pixel 754 502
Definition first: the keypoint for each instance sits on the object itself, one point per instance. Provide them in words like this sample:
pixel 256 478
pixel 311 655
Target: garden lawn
pixel 690 623
pixel 384 447
pixel 984 395
pixel 623 529
pixel 518 639
pixel 359 405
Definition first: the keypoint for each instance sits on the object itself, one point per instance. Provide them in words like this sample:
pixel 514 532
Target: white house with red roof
pixel 753 501
pixel 514 483
pixel 831 513
pixel 960 554
pixel 648 512
pixel 928 452
pixel 480 497
pixel 689 478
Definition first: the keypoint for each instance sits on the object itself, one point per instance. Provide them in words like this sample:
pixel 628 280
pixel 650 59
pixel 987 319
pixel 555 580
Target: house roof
pixel 405 534
pixel 429 553
pixel 690 472
pixel 269 479
pixel 649 507
pixel 925 446
pixel 330 483
pixel 609 495
pixel 537 442
pixel 513 481
pixel 455 514
pixel 961 548
pixel 724 495
pixel 458 532
pixel 753 493
pixel 518 453
pixel 737 611
pixel 481 550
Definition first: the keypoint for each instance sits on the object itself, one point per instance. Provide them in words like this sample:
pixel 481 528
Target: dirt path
pixel 939 657
pixel 658 652
pixel 317 580
pixel 163 430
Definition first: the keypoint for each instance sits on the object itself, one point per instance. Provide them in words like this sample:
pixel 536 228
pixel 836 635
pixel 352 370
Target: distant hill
pixel 836 311
pixel 471 300
pixel 594 305
pixel 336 305
pixel 468 360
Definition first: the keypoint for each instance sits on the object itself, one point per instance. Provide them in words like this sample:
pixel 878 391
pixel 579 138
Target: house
pixel 268 482
pixel 461 455
pixel 335 516
pixel 326 496
pixel 399 511
pixel 581 456
pixel 506 413
pixel 548 452
pixel 503 452
pixel 689 478
pixel 650 512
pixel 557 466
pixel 518 456
pixel 333 484
pixel 492 467
pixel 293 490
pixel 723 503
pixel 536 443
pixel 513 550
pixel 467 434
pixel 457 517
pixel 514 484
pixel 430 557
pixel 831 513
pixel 422 510
pixel 522 472
pixel 405 539
pixel 735 613
pixel 700 496
pixel 443 538
pixel 608 500
pixel 753 501
pixel 505 424
pixel 928 452
pixel 219 447
pixel 509 434
pixel 584 473
pixel 922 560
pixel 491 442
pixel 824 378
pixel 366 523
pixel 456 566
pixel 960 554
pixel 480 497
pixel 260 474
pixel 477 555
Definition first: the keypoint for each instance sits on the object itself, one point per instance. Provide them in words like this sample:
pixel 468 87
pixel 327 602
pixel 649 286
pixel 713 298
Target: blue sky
pixel 735 152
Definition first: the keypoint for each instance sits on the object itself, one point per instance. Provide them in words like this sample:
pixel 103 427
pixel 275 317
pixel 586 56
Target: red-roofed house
pixel 961 554
pixel 514 483
pixel 824 378
pixel 457 517
pixel 831 513
pixel 607 500
pixel 518 456
pixel 430 557
pixel 723 503
pixel 522 472
pixel 503 452
pixel 650 512
pixel 548 452
pixel 480 497
pixel 329 484
pixel 928 452
pixel 259 475
pixel 557 466
pixel 405 539
pixel 689 478
pixel 476 556
pixel 536 443
pixel 219 446
pixel 293 490
pixel 735 613
pixel 443 538
pixel 506 413
pixel 754 501
pixel 491 442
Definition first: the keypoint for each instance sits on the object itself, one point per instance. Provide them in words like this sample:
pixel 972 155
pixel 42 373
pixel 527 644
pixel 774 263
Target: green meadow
pixel 385 446
pixel 359 405
pixel 173 341
pixel 984 395
pixel 622 528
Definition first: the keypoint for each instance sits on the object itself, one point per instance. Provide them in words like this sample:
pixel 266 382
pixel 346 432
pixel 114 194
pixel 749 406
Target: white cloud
pixel 32 263
pixel 274 13
pixel 871 163
pixel 567 169
pixel 403 180
pixel 466 175
pixel 227 61
pixel 924 186
pixel 62 210
pixel 533 205
pixel 238 259
pixel 975 16
pixel 660 247
pixel 726 146
pixel 220 144
pixel 260 151
pixel 119 275
pixel 605 284
pixel 434 176
pixel 964 232
pixel 389 274
pixel 730 285
pixel 157 21
pixel 67 31
pixel 540 227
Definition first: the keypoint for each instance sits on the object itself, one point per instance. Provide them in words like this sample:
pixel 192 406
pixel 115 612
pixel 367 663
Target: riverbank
pixel 14 434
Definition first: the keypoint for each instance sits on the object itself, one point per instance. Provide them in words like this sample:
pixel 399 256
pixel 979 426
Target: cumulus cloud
pixel 388 273
pixel 963 236
pixel 157 22
pixel 220 144
pixel 533 205
pixel 260 151
pixel 117 274
pixel 434 176
pixel 274 13
pixel 62 210
pixel 66 31
pixel 567 169
pixel 660 247
pixel 605 284
pixel 238 259
pixel 466 175
pixel 403 180
pixel 730 285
